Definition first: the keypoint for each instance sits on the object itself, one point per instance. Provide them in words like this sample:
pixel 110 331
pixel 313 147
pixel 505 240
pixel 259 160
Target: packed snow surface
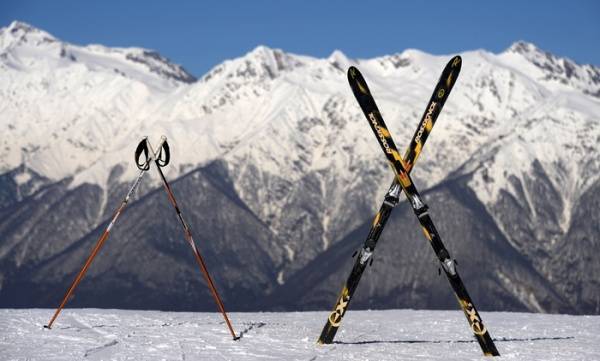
pixel 93 334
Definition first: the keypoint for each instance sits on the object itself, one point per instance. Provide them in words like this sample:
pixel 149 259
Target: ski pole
pixel 160 162
pixel 143 168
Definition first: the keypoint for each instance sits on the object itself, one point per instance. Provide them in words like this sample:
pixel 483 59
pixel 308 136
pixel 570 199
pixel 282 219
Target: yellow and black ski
pixel 364 255
pixel 369 108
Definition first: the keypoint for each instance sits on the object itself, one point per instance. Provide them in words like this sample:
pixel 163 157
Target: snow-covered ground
pixel 93 334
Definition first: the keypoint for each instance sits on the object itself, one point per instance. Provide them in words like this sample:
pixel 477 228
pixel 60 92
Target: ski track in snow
pixel 93 334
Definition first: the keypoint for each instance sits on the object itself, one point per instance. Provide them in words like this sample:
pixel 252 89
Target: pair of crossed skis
pixel 402 181
pixel 161 158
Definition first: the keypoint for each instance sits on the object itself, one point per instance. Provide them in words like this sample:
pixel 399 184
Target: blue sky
pixel 201 34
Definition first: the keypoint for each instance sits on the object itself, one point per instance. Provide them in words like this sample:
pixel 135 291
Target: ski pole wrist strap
pixel 142 148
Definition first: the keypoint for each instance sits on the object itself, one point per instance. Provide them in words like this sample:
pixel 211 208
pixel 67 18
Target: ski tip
pixel 353 73
pixel 456 62
pixel 357 81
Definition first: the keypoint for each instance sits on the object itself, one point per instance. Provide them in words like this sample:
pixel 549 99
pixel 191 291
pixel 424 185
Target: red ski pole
pixel 188 233
pixel 142 147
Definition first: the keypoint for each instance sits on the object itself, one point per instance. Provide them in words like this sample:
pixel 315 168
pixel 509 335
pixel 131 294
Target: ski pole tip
pixel 237 338
pixel 46 326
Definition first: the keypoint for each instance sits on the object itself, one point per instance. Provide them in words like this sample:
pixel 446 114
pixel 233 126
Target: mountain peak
pixel 19 32
pixel 559 69
pixel 262 50
pixel 264 54
pixel 523 47
pixel 265 62
pixel 20 26
pixel 532 53
pixel 337 55
pixel 339 60
pixel 23 40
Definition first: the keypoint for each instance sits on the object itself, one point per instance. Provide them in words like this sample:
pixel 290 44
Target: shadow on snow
pixel 502 339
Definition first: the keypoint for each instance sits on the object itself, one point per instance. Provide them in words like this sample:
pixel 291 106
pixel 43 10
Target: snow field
pixel 93 334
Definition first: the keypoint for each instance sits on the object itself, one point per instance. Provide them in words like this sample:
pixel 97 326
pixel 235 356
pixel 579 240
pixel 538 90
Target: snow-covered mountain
pixel 279 175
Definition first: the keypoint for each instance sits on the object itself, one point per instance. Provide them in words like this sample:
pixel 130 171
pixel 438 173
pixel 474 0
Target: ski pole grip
pixel 163 139
pixel 164 152
pixel 142 148
pixel 157 156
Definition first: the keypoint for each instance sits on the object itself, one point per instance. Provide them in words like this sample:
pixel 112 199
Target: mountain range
pixel 279 176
